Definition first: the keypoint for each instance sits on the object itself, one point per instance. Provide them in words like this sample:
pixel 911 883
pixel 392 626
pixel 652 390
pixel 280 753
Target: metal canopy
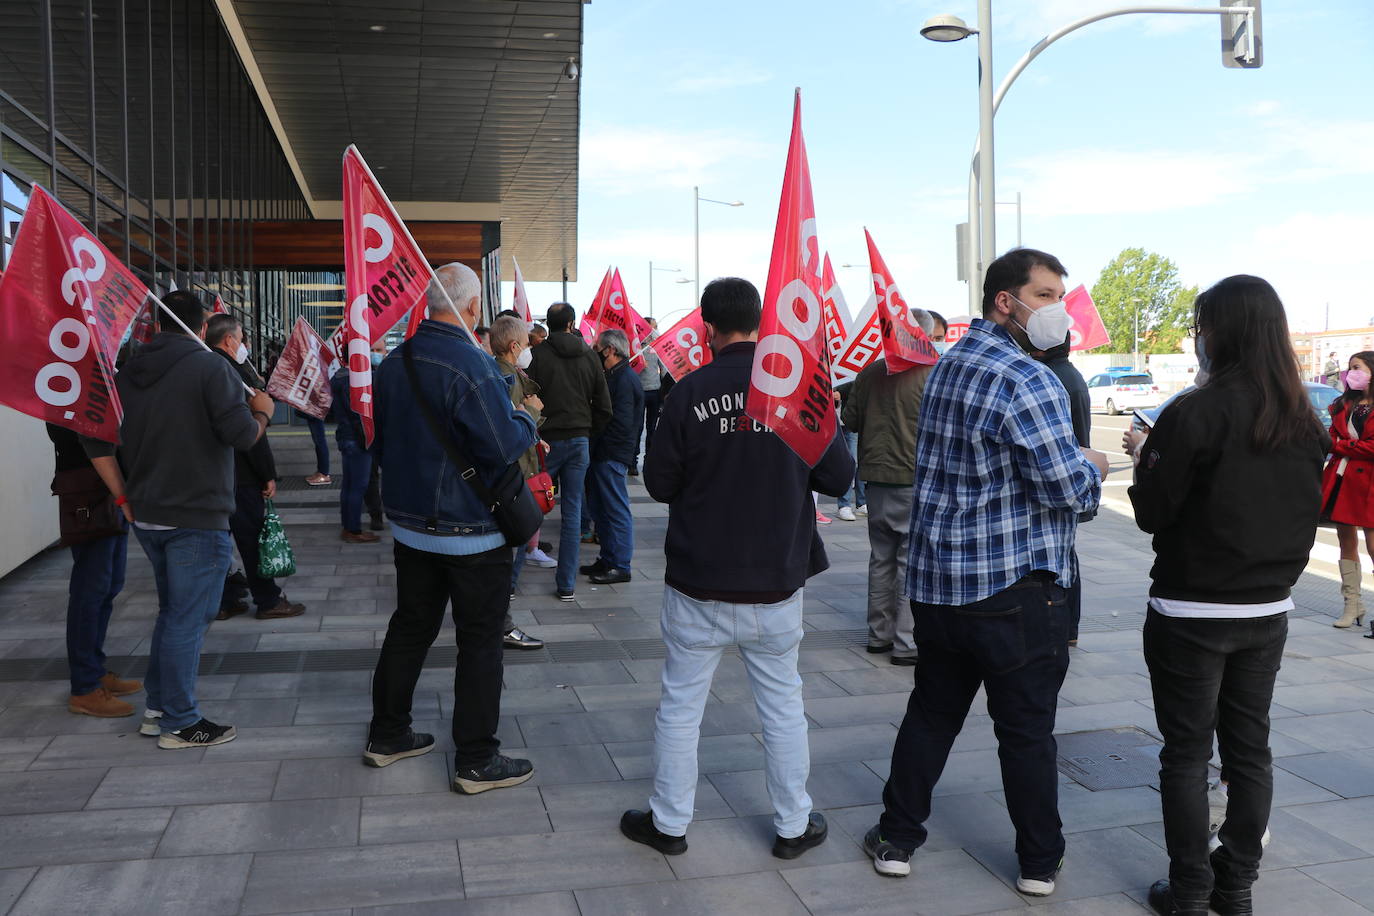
pixel 450 102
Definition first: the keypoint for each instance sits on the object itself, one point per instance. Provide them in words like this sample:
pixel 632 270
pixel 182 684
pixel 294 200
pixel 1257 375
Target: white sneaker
pixel 863 510
pixel 846 514
pixel 150 725
pixel 537 557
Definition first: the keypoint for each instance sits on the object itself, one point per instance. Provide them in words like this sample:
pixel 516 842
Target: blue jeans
pixel 768 636
pixel 321 443
pixel 357 468
pixel 855 492
pixel 609 499
pixel 189 565
pixel 1014 644
pixel 567 464
pixel 97 579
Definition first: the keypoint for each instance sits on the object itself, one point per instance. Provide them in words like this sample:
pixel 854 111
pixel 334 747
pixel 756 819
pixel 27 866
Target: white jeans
pixel 768 636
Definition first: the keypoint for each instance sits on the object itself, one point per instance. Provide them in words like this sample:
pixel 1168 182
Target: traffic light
pixel 1241 41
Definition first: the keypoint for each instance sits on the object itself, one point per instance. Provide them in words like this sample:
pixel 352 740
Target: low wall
pixel 28 510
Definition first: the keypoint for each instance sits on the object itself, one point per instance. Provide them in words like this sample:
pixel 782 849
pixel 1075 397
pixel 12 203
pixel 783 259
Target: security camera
pixel 570 70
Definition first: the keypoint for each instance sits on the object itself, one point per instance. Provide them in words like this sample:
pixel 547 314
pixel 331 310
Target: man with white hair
pixel 438 391
pixel 613 454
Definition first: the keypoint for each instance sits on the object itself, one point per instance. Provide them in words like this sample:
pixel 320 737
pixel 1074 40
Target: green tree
pixel 1140 281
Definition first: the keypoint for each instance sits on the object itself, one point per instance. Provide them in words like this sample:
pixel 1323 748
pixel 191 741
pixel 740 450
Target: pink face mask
pixel 1357 379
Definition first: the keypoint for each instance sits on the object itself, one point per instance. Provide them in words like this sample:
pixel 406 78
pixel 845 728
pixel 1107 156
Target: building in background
pixel 1313 348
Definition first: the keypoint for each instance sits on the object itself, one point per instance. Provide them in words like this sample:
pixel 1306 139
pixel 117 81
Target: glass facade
pixel 138 117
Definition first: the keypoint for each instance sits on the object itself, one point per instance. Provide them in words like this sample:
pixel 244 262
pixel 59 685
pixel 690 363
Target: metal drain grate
pixel 440 656
pixel 1110 758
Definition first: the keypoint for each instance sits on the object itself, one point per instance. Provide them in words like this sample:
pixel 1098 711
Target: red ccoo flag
pixel 603 292
pixel 417 315
pixel 836 313
pixel 616 312
pixel 682 347
pixel 219 308
pixel 301 376
pixel 1088 331
pixel 904 343
pixel 789 387
pixel 65 304
pixel 862 346
pixel 522 301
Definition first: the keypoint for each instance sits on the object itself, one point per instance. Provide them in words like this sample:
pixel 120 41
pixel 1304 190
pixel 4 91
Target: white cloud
pixel 625 160
pixel 1098 181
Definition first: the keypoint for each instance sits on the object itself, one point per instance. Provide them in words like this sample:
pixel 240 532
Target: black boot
pixel 1163 901
pixel 1230 895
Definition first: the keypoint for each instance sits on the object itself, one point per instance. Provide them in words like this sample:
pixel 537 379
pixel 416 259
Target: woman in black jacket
pixel 1229 484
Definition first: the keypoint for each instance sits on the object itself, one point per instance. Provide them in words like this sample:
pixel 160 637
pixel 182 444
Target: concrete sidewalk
pixel 93 817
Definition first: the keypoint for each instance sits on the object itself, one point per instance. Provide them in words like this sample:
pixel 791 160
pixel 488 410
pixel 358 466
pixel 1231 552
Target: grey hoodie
pixel 185 413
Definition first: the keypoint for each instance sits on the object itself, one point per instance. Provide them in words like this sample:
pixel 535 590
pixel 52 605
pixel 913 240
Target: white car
pixel 1116 392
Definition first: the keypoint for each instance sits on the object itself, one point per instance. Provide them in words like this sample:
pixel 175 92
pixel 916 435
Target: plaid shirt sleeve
pixel 1039 430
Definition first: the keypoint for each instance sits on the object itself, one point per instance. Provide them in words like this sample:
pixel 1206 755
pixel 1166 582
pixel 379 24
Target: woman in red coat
pixel 1348 484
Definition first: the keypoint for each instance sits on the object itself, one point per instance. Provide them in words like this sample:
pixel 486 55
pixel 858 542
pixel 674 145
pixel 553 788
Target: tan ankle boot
pixel 1350 591
pixel 99 703
pixel 119 686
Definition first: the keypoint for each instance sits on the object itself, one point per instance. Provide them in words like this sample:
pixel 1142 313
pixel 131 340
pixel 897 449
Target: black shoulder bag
pixel 510 502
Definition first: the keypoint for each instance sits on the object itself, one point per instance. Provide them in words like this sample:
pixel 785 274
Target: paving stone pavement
pixel 93 817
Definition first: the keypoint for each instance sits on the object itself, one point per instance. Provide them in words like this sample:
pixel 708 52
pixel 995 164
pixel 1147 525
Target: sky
pixel 1127 133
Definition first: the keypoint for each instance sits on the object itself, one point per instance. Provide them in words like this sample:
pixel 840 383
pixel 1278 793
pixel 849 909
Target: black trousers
pixel 653 403
pixel 372 496
pixel 246 526
pixel 478 587
pixel 1014 643
pixel 1214 676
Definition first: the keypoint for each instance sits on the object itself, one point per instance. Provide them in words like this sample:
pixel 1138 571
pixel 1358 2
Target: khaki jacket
pixel 883 409
pixel 521 386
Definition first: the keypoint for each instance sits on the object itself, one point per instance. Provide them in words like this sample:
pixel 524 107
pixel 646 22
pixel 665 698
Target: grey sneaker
pixel 517 638
pixel 887 859
pixel 150 725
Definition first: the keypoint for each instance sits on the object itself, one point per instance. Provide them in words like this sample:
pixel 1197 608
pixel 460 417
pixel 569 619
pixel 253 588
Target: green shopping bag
pixel 274 550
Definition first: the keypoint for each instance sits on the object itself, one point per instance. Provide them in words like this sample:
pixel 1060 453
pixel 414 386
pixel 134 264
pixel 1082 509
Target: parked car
pixel 1120 389
pixel 1318 395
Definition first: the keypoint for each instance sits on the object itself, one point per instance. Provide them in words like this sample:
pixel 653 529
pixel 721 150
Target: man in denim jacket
pixel 448 546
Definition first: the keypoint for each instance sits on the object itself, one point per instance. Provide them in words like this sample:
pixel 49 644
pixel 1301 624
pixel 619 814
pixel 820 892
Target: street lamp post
pixel 981 212
pixel 666 270
pixel 696 232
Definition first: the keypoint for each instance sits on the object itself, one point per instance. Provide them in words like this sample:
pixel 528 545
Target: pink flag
pixel 65 304
pixel 1088 331
pixel 836 312
pixel 863 345
pixel 682 347
pixel 598 303
pixel 616 312
pixel 301 377
pixel 789 387
pixel 904 343
pixel 522 301
pixel 417 315
pixel 219 308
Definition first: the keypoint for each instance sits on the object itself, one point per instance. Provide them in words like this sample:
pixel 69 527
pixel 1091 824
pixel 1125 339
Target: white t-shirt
pixel 1210 610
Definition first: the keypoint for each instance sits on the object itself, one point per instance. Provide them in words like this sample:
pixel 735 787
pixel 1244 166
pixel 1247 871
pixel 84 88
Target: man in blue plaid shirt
pixel 1000 481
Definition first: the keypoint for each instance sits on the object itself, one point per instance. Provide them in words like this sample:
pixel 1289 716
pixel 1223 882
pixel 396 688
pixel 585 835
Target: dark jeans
pixel 357 465
pixel 321 443
pixel 1075 599
pixel 97 579
pixel 1214 676
pixel 608 498
pixel 425 584
pixel 246 526
pixel 1014 643
pixel 856 495
pixel 372 496
pixel 567 462
pixel 653 403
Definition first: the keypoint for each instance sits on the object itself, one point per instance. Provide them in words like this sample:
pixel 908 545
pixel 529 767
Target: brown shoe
pixel 359 537
pixel 233 610
pixel 119 686
pixel 283 608
pixel 99 703
pixel 319 480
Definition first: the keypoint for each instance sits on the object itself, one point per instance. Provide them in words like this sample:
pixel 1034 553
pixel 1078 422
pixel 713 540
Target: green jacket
pixel 520 386
pixel 882 409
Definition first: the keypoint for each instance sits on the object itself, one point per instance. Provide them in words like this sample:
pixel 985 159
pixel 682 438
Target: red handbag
pixel 541 484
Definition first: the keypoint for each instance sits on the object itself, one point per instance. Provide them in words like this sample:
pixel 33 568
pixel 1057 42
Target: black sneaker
pixel 202 734
pixel 639 826
pixel 887 859
pixel 385 753
pixel 632 471
pixel 610 577
pixel 377 523
pixel 498 773
pixel 591 569
pixel 813 836
pixel 566 594
pixel 546 546
pixel 516 638
pixel 1038 885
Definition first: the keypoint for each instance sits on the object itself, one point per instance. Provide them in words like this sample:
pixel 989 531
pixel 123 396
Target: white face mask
pixel 524 359
pixel 241 354
pixel 1048 325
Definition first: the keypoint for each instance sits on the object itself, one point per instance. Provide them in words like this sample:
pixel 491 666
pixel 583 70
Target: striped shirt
pixel 1000 480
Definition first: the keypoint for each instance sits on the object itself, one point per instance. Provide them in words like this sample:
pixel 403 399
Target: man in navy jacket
pixel 613 453
pixel 741 544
